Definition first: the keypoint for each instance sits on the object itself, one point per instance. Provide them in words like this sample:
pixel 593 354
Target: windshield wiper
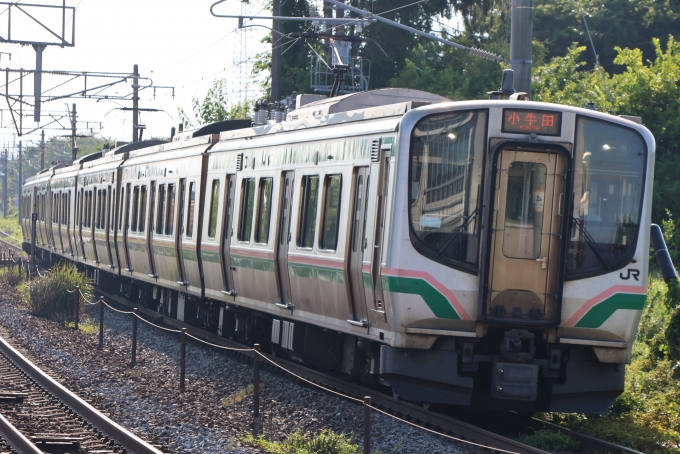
pixel 591 242
pixel 456 234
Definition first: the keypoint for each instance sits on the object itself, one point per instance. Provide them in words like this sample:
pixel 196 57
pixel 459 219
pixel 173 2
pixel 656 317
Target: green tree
pixel 214 107
pixel 649 89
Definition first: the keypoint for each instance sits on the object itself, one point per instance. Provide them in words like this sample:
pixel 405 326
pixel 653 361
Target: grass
pixel 549 440
pixel 11 275
pixel 85 326
pixel 10 225
pixel 325 442
pixel 239 396
pixel 50 295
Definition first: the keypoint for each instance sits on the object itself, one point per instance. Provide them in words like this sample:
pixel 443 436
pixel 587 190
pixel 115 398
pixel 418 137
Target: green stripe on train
pixel 599 314
pixel 321 273
pixel 255 263
pixel 438 303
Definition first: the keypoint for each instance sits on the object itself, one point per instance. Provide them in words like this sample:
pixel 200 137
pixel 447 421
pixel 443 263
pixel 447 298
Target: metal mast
pixel 135 104
pixel 276 51
pixel 521 33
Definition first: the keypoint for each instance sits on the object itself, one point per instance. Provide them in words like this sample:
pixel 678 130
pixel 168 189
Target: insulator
pixel 485 54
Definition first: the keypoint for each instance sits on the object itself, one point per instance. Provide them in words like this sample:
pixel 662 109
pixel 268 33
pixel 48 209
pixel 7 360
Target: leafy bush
pixel 49 295
pixel 549 440
pixel 327 442
pixel 11 275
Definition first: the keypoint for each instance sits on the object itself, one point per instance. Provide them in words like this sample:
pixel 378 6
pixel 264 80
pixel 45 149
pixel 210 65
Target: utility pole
pixel 4 184
pixel 521 34
pixel 42 149
pixel 276 52
pixel 135 104
pixel 74 150
pixel 21 181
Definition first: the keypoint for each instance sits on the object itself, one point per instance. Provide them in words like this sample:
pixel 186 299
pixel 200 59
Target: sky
pixel 175 43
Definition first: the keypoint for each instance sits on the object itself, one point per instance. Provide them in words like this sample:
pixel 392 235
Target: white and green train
pixel 489 253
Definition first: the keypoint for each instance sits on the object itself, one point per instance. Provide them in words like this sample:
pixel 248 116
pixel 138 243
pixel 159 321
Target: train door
pixel 378 311
pixel 527 223
pixel 153 223
pixel 283 240
pixel 179 228
pixel 69 225
pixel 356 246
pixel 227 276
pixel 125 222
pixel 107 219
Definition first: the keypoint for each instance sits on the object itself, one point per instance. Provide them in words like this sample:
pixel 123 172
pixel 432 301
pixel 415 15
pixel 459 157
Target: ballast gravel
pixel 214 413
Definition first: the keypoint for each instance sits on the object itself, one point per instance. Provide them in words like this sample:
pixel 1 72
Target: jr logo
pixel 632 272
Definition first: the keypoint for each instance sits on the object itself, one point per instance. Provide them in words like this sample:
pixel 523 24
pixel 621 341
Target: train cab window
pixel 192 207
pixel 245 223
pixel 445 177
pixel 264 211
pixel 609 169
pixel 331 213
pixel 214 205
pixel 170 215
pixel 142 209
pixel 161 209
pixel 310 201
pixel 135 208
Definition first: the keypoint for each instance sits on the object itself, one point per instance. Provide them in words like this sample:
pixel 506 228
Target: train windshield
pixel 445 182
pixel 609 169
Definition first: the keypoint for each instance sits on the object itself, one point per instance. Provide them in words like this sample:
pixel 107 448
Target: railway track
pixel 39 414
pixel 412 413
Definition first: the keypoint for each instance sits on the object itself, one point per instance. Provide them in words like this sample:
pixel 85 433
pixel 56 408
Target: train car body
pixel 487 253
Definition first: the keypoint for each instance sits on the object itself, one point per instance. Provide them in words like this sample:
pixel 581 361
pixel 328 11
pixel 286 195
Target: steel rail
pixel 16 439
pixel 122 436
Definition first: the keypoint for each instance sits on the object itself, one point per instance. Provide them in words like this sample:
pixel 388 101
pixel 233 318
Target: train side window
pixel 135 208
pixel 264 211
pixel 192 206
pixel 112 223
pixel 310 199
pixel 170 215
pixel 331 213
pixel 88 208
pixel 142 209
pixel 214 204
pixel 122 208
pixel 161 209
pixel 102 211
pixel 100 198
pixel 247 201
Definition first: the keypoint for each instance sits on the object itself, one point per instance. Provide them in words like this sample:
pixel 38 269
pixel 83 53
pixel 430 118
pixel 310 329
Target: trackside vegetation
pixel 325 442
pixel 50 295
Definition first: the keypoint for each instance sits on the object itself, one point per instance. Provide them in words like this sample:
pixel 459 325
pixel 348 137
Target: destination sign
pixel 541 122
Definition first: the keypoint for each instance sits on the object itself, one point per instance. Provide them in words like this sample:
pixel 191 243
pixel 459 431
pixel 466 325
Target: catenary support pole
pixel 367 425
pixel 37 80
pixel 21 178
pixel 521 34
pixel 183 360
pixel 135 311
pixel 42 149
pixel 135 104
pixel 74 150
pixel 276 51
pixel 5 169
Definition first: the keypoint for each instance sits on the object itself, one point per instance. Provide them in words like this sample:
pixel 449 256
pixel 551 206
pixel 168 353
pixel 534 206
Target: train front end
pixel 518 256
